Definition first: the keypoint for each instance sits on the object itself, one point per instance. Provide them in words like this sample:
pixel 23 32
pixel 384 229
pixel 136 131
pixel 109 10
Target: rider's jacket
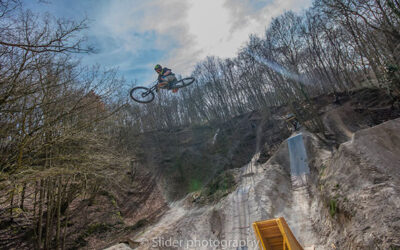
pixel 160 75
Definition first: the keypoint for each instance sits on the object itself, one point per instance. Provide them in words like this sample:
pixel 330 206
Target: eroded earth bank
pixel 350 199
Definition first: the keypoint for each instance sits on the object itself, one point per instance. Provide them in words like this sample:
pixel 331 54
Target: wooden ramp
pixel 275 234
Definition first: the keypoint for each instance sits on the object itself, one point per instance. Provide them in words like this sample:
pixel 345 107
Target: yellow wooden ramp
pixel 275 234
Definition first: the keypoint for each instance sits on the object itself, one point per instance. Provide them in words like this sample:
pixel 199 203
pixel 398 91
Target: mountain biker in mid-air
pixel 165 77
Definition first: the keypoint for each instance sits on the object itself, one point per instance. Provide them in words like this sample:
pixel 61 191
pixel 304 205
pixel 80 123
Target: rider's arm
pixel 167 72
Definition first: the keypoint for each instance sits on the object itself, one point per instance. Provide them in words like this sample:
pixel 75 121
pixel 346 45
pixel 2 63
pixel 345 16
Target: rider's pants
pixel 169 79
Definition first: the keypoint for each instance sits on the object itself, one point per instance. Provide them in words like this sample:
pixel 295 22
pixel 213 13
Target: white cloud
pixel 188 30
pixel 185 30
pixel 221 27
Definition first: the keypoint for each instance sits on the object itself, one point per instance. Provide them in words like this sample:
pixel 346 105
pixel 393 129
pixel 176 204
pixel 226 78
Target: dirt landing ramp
pixel 362 186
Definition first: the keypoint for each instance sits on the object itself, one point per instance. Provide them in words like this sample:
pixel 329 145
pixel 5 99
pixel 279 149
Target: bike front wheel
pixel 183 82
pixel 142 94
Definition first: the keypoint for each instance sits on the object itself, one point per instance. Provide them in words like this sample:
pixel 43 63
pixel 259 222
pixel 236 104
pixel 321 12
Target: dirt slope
pixel 351 199
pixel 362 178
pixel 363 181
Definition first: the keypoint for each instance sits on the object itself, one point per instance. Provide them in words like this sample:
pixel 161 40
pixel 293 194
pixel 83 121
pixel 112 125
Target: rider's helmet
pixel 157 67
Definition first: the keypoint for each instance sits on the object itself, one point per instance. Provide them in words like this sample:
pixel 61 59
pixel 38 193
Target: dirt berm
pixel 361 184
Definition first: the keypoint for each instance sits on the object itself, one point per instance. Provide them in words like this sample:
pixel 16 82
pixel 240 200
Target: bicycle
pixel 145 95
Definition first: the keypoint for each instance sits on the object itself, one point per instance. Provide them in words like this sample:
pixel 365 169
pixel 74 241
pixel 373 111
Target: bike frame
pixel 143 92
pixel 154 88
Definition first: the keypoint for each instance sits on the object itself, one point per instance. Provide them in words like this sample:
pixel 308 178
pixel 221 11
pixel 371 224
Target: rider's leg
pixel 171 82
pixel 168 80
pixel 161 84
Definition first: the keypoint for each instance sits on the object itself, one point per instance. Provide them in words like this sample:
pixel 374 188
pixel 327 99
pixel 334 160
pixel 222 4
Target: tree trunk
pixel 21 205
pixel 40 221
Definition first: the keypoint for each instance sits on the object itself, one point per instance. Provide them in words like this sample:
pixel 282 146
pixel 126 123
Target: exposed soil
pixel 322 215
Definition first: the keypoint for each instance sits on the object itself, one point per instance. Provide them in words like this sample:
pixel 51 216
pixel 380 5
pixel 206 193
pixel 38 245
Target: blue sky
pixel 134 35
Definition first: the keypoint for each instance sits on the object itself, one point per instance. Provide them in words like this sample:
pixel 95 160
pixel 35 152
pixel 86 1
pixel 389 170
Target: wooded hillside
pixel 67 133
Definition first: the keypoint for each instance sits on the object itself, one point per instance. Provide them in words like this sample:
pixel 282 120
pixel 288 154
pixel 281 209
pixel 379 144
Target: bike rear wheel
pixel 142 94
pixel 183 82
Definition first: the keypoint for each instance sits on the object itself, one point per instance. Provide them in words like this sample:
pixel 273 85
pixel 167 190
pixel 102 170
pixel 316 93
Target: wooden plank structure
pixel 275 234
